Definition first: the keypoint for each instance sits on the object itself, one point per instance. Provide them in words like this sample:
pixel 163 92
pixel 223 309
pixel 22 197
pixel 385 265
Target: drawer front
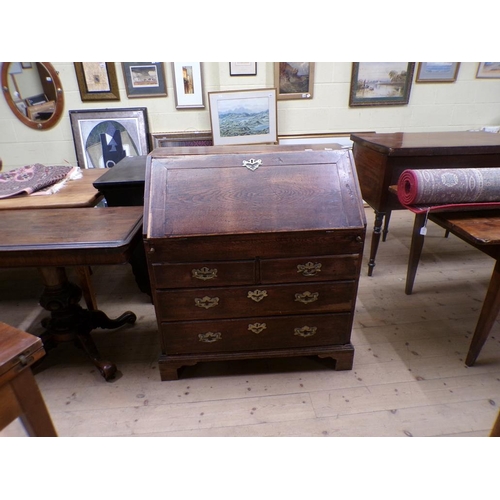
pixel 321 268
pixel 198 274
pixel 250 334
pixel 230 302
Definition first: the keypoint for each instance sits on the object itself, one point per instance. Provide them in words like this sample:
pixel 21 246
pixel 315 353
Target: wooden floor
pixel 408 379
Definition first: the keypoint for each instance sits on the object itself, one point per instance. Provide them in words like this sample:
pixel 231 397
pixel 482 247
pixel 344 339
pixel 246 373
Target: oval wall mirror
pixel 33 92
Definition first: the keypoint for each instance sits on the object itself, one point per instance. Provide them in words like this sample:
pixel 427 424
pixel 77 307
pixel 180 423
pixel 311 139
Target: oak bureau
pixel 253 255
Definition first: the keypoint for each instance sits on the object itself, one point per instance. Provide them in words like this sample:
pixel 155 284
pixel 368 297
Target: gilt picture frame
pixel 181 139
pixel 103 137
pixel 381 83
pixel 188 85
pixel 243 117
pixel 144 79
pixel 97 81
pixel 294 80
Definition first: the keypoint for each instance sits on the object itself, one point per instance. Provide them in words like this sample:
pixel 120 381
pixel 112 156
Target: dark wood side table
pixel 19 393
pixel 62 237
pixel 381 158
pixel 481 229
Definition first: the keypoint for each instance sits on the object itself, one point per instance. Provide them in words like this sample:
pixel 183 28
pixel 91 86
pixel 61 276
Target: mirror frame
pixel 42 125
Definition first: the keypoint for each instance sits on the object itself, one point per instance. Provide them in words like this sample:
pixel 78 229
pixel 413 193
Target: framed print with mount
pixel 294 80
pixel 97 81
pixel 103 137
pixel 243 117
pixel 380 83
pixel 242 68
pixel 437 72
pixel 488 70
pixel 188 85
pixel 144 79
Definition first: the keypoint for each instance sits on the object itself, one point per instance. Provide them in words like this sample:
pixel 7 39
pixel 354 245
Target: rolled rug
pixel 449 188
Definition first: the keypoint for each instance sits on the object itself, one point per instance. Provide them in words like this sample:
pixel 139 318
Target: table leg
pixel 69 321
pixel 417 243
pixel 489 313
pixel 387 219
pixel 377 230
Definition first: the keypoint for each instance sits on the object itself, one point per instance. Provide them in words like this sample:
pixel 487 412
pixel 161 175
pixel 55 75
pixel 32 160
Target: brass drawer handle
pixel 209 337
pixel 204 273
pixel 206 302
pixel 257 295
pixel 309 269
pixel 257 327
pixel 306 297
pixel 252 164
pixel 305 331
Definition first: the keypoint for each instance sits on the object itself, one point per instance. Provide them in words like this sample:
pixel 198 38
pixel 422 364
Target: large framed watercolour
pixel 144 79
pixel 242 68
pixel 243 117
pixel 180 139
pixel 488 70
pixel 103 137
pixel 97 81
pixel 294 80
pixel 381 83
pixel 188 85
pixel 437 72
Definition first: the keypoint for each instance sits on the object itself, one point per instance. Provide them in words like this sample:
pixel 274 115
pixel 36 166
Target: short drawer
pixel 321 268
pixel 198 274
pixel 256 333
pixel 230 302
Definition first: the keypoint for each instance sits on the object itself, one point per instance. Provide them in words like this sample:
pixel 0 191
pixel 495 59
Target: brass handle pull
pixel 257 295
pixel 257 327
pixel 204 273
pixel 309 268
pixel 206 302
pixel 210 337
pixel 305 331
pixel 306 297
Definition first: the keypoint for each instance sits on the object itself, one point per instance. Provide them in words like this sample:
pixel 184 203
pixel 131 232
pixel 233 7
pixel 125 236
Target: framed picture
pixel 188 85
pixel 181 139
pixel 242 68
pixel 97 81
pixel 26 65
pixel 103 137
pixel 144 79
pixel 294 80
pixel 437 72
pixel 380 83
pixel 243 117
pixel 488 70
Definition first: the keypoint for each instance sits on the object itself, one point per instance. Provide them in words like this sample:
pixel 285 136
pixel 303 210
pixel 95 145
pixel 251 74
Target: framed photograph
pixel 242 68
pixel 36 99
pixel 188 85
pixel 488 70
pixel 103 137
pixel 381 83
pixel 437 72
pixel 26 65
pixel 97 81
pixel 294 80
pixel 181 139
pixel 144 79
pixel 243 117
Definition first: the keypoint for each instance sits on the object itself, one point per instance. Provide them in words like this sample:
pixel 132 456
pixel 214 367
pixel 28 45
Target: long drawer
pixel 301 298
pixel 256 333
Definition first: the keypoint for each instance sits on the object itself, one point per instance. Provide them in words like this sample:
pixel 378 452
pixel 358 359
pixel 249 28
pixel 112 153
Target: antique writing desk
pixel 481 229
pixel 381 158
pixel 63 237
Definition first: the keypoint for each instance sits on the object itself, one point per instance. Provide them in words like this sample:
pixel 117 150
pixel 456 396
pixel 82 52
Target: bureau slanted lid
pixel 233 193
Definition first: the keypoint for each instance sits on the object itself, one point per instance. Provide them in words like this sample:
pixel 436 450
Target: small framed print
pixel 144 79
pixel 188 85
pixel 488 70
pixel 97 81
pixel 294 80
pixel 437 72
pixel 242 68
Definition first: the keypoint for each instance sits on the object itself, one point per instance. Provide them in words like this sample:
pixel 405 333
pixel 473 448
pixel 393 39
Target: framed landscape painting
pixel 294 80
pixel 243 117
pixel 380 83
pixel 488 70
pixel 144 79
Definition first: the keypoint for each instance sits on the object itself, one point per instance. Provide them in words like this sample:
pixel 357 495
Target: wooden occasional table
pixel 381 158
pixel 19 393
pixel 64 237
pixel 481 229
